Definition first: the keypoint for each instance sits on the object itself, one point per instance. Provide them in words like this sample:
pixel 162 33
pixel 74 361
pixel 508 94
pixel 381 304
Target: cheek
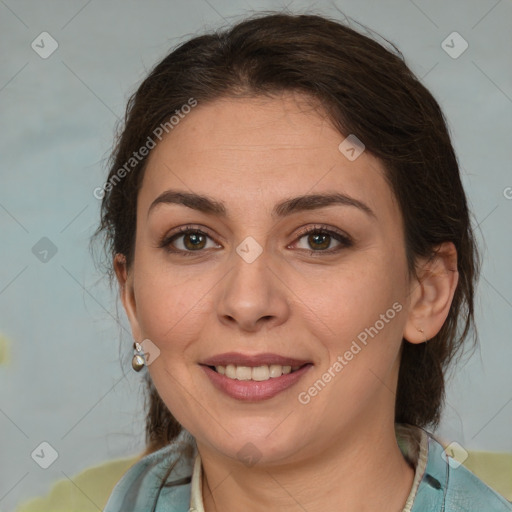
pixel 358 318
pixel 353 296
pixel 359 325
pixel 170 307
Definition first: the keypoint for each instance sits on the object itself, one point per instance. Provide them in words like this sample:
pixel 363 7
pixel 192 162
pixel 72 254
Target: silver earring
pixel 138 361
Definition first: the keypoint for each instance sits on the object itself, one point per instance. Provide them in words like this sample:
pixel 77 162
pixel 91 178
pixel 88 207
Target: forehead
pixel 242 149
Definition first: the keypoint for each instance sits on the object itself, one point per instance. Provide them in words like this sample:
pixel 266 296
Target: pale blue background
pixel 65 383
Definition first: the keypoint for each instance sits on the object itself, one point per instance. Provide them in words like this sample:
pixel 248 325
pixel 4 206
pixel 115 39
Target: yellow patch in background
pixel 4 350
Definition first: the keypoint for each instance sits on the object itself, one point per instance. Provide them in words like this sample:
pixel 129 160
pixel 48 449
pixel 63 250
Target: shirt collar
pixel 413 443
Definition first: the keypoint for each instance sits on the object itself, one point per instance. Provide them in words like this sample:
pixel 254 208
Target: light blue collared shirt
pixel 440 484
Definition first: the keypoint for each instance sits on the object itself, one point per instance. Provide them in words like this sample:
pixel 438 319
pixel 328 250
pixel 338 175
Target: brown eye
pixel 187 241
pixel 318 240
pixel 194 241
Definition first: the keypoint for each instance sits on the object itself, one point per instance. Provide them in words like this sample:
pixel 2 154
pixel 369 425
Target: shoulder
pixel 468 492
pixel 140 489
pixel 449 487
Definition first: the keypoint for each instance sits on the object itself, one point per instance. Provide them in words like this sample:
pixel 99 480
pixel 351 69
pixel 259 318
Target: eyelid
pixel 343 238
pixel 167 239
pixel 323 228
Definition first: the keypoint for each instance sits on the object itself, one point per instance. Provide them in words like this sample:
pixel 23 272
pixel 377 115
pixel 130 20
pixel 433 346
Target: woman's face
pixel 253 288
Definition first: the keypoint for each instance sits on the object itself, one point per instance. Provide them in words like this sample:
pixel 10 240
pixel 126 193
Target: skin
pixel 250 154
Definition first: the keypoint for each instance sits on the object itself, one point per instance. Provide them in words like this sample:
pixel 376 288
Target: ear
pixel 126 293
pixel 432 294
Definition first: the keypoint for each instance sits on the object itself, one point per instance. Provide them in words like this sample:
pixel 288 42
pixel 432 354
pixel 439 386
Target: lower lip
pixel 251 390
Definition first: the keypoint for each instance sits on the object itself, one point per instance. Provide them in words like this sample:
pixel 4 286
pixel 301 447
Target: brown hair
pixel 366 90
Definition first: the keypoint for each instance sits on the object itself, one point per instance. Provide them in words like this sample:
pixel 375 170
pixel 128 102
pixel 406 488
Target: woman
pixel 292 242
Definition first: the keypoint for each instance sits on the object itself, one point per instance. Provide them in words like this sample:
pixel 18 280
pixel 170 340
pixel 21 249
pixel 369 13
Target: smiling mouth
pixel 255 373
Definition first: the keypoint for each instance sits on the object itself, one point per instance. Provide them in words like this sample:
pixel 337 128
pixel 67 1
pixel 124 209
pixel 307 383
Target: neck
pixel 364 470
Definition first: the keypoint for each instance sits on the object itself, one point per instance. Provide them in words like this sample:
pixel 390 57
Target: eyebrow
pixel 287 207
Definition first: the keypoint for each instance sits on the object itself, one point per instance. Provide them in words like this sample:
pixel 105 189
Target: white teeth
pixel 243 373
pixel 275 370
pixel 260 373
pixel 231 371
pixel 257 373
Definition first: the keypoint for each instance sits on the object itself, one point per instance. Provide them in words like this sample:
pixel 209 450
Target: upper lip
pixel 252 360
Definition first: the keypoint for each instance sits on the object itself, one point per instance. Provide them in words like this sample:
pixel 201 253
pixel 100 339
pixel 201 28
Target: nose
pixel 253 297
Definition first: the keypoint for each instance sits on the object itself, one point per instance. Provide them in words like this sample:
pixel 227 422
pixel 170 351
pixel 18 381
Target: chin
pixel 252 446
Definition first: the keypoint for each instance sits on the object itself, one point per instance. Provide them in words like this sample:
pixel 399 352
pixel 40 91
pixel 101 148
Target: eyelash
pixel 344 240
